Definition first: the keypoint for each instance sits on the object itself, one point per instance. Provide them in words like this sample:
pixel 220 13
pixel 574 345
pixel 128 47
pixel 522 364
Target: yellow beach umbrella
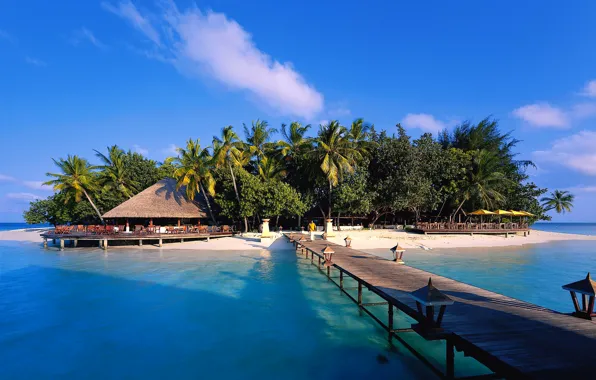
pixel 482 213
pixel 518 213
pixel 527 213
pixel 503 212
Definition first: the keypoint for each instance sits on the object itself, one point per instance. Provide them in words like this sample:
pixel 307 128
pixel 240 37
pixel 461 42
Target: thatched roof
pixel 161 200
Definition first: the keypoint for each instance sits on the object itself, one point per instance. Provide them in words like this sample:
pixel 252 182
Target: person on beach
pixel 312 227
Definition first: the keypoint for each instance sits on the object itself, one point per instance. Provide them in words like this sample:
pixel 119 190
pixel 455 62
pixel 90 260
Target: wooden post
pixel 45 243
pixel 312 257
pixel 178 222
pixel 591 306
pixel 390 324
pixel 105 244
pixel 74 243
pixel 207 239
pixel 140 242
pixel 341 279
pixel 430 314
pixel 99 243
pixel 319 261
pixel 160 242
pixel 584 302
pixel 359 293
pixel 575 303
pixel 450 358
pixel 62 244
pixel 182 240
pixel 329 271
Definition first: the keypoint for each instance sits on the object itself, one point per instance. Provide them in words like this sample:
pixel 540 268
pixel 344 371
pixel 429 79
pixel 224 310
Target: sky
pixel 147 75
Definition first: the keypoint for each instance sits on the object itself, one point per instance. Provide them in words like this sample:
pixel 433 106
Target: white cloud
pixel 590 89
pixel 85 34
pixel 211 44
pixel 323 122
pixel 423 121
pixel 35 62
pixel 577 152
pixel 542 115
pixel 6 178
pixel 22 196
pixel 140 150
pixel 37 185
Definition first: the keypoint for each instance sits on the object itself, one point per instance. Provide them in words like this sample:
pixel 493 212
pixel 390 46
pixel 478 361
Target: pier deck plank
pixel 512 337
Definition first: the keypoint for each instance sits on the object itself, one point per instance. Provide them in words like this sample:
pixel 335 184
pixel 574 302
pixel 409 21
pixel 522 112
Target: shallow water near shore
pixel 134 313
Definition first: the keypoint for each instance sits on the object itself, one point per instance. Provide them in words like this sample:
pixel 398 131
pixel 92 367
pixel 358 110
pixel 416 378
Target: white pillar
pixel 105 244
pixel 329 228
pixel 266 233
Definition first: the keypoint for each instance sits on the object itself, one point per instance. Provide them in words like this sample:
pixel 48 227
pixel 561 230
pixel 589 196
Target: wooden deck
pixel 427 231
pixel 515 339
pixel 103 240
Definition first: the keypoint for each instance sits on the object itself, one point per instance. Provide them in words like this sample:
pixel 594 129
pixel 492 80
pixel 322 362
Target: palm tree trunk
pixel 94 207
pixel 208 204
pixel 237 195
pixel 330 189
pixel 338 216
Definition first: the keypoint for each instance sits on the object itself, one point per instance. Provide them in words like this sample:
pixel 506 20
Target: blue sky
pixel 147 75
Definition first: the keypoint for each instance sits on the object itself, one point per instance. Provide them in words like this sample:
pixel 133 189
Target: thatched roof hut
pixel 161 200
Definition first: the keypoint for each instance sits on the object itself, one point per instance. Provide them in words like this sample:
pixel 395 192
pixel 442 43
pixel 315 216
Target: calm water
pixel 18 226
pixel 568 228
pixel 174 314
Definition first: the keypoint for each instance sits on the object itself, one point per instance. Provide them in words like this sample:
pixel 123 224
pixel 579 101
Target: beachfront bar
pixel 159 213
pixel 472 226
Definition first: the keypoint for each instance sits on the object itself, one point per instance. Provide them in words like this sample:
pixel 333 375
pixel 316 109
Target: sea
pixel 261 314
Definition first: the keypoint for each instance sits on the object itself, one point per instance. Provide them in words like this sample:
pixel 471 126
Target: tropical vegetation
pixel 354 173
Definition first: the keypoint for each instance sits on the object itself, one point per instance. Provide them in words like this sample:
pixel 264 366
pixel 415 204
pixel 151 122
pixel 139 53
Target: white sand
pixel 375 239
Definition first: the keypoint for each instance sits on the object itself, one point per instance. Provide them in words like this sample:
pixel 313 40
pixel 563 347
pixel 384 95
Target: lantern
pixel 587 288
pixel 348 241
pixel 429 297
pixel 398 253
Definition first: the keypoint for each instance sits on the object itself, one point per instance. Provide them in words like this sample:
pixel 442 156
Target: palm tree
pixel 76 179
pixel 193 170
pixel 226 151
pixel 114 173
pixel 294 141
pixel 335 154
pixel 258 138
pixel 358 135
pixel 271 169
pixel 482 181
pixel 559 200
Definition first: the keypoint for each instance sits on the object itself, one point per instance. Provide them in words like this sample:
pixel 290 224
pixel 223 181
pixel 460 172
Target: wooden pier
pixel 104 240
pixel 512 338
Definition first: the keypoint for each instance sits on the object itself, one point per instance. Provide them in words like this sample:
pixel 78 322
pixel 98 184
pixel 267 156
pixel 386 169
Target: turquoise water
pixel 568 228
pixel 18 226
pixel 189 314
pixel 532 273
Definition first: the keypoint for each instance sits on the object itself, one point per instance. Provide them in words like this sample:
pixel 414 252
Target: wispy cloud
pixel 37 185
pixel 6 178
pixel 171 150
pixel 425 122
pixel 542 115
pixel 210 44
pixel 23 196
pixel 581 189
pixel 140 150
pixel 128 11
pixel 4 35
pixel 577 152
pixel 35 62
pixel 85 35
pixel 590 89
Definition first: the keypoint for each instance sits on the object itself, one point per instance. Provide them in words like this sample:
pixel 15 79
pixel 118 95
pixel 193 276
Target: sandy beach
pixel 365 240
